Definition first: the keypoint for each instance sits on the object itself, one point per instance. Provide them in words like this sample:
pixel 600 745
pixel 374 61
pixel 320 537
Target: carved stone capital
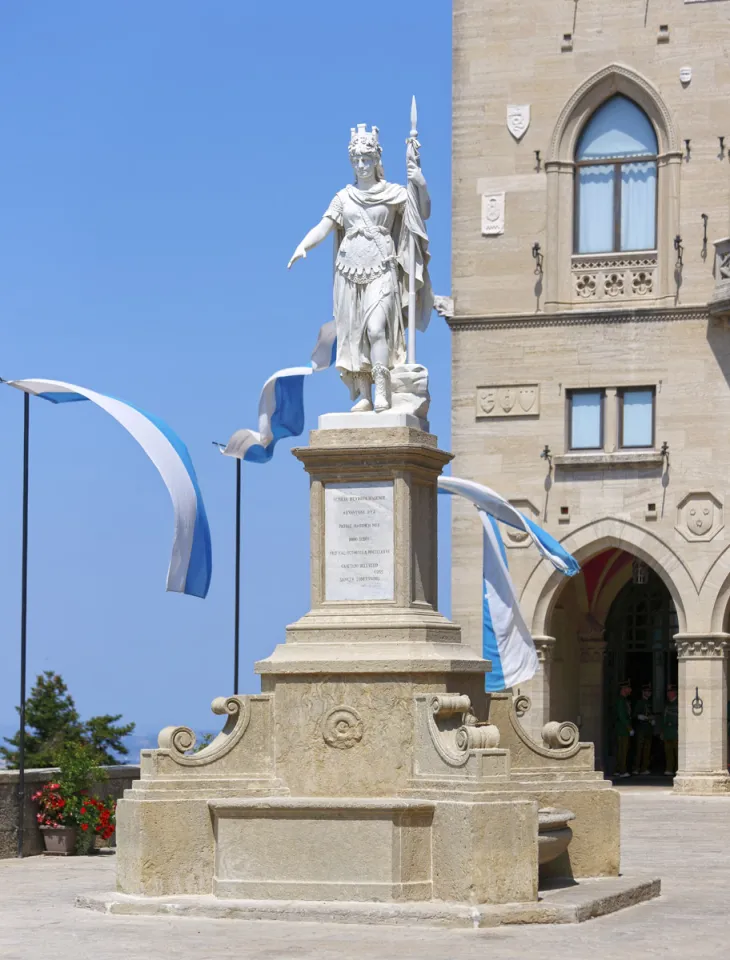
pixel 545 647
pixel 693 646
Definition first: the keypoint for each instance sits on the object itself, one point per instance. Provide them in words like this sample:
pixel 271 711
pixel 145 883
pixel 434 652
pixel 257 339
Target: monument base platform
pixel 574 903
pixel 370 420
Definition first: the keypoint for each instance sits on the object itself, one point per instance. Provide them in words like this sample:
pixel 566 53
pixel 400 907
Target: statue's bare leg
pixel 363 383
pixel 377 335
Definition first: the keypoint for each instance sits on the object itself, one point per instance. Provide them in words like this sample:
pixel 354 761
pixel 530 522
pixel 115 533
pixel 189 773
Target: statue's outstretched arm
pixel 316 235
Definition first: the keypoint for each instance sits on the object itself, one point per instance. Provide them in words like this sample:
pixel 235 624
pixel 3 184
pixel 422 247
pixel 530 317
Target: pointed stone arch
pixel 716 593
pixel 545 584
pixel 616 78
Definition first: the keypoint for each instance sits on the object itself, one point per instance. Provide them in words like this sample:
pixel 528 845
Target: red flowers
pixel 59 809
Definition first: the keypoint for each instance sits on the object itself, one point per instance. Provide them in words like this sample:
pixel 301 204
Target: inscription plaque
pixel 358 541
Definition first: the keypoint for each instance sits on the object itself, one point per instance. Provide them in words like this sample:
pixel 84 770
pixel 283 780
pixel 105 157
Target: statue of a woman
pixel 374 221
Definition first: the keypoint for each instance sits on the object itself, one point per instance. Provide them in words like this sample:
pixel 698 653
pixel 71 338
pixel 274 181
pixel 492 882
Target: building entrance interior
pixel 640 626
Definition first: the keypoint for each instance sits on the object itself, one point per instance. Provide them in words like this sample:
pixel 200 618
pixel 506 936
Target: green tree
pixel 52 721
pixel 104 736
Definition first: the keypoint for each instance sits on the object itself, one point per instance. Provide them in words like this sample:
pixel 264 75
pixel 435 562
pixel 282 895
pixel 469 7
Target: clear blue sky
pixel 159 163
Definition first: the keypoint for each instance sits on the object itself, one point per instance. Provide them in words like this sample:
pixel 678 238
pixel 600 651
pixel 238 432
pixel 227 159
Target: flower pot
pixel 59 841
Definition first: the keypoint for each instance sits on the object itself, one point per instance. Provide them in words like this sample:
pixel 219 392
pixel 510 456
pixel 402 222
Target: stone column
pixel 539 689
pixel 590 693
pixel 702 713
pixel 610 438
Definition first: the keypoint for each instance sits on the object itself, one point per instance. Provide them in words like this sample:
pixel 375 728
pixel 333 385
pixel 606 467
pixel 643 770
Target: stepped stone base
pixel 567 904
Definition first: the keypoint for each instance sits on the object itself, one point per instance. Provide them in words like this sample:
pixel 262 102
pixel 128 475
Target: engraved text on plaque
pixel 358 541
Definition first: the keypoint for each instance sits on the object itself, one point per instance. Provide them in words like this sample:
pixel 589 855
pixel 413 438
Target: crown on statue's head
pixel 363 142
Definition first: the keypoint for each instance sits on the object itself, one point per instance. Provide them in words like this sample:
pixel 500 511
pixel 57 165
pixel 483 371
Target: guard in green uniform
pixel 644 731
pixel 670 731
pixel 624 729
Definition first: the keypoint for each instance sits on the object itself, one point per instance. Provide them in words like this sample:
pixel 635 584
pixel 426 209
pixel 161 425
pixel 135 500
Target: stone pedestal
pixel 702 697
pixel 372 767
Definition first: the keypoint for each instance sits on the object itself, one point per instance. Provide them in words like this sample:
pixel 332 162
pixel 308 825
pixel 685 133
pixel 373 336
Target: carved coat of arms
pixel 518 120
pixel 487 399
pixel 508 397
pixel 700 516
pixel 527 398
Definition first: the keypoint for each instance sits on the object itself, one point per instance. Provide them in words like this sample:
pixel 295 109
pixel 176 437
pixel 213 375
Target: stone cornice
pixel 573 318
pixel 692 646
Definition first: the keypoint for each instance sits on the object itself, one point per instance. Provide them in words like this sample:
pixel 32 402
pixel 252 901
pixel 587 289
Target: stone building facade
pixel 591 347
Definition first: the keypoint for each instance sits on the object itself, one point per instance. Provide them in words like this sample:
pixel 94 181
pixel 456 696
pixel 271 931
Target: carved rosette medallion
pixel 342 728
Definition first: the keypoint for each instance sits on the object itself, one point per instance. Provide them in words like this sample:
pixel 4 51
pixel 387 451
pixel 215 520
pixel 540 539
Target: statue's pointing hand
pixel 299 254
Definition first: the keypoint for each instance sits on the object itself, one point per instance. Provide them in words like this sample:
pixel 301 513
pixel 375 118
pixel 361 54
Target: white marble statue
pixel 378 226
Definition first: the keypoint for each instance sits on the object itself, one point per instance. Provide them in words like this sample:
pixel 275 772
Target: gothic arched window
pixel 616 180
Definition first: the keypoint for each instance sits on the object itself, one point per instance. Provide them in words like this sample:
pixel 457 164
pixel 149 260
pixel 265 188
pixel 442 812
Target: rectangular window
pixel 636 417
pixel 585 419
pixel 638 206
pixel 595 200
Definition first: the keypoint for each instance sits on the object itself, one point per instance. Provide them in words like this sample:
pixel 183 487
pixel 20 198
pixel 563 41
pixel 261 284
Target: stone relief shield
pixel 487 400
pixel 700 516
pixel 518 119
pixel 508 398
pixel 527 398
pixel 492 214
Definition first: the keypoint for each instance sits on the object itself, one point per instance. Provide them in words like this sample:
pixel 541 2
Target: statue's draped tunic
pixel 371 272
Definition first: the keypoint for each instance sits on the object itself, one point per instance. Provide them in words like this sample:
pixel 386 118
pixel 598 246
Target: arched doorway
pixel 639 628
pixel 615 619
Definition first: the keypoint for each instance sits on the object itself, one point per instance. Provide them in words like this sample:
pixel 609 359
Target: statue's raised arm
pixel 374 223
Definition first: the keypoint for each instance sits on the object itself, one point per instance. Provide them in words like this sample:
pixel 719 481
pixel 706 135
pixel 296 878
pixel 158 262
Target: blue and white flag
pixel 191 561
pixel 506 637
pixel 281 405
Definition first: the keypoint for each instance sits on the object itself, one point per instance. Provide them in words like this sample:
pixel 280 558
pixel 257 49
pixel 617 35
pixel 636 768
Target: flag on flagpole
pixel 496 506
pixel 281 404
pixel 506 638
pixel 191 561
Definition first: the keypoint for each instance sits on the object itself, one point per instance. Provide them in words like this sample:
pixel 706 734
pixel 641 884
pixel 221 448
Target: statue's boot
pixel 381 379
pixel 364 403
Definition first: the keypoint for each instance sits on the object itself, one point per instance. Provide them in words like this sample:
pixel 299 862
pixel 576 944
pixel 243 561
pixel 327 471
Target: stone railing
pixel 120 778
pixel 614 277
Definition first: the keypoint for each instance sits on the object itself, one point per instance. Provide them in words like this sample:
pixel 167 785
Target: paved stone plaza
pixel 685 840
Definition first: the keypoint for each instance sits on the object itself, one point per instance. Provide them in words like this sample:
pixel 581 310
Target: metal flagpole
pixel 237 602
pixel 412 143
pixel 237 589
pixel 23 623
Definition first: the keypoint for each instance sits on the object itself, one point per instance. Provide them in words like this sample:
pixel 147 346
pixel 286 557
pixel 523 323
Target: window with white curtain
pixel 616 180
pixel 636 420
pixel 585 419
